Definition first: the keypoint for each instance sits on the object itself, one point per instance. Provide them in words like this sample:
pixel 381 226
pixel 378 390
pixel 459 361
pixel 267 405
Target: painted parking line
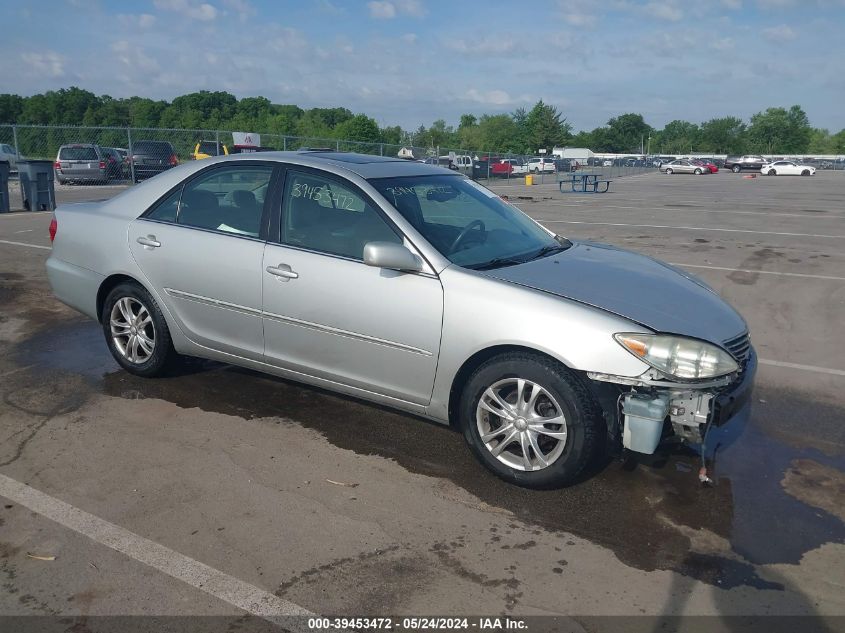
pixel 700 210
pixel 214 582
pixel 813 368
pixel 761 272
pixel 46 248
pixel 693 228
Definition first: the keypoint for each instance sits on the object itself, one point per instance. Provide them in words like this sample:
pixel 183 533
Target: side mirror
pixel 391 255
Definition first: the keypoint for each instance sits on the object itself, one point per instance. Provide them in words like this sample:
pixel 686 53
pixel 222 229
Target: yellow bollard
pixel 529 179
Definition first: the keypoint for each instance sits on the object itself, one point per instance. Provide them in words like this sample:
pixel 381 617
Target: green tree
pixel 359 128
pixel 678 137
pixel 498 133
pixel 821 142
pixel 11 107
pixel 625 133
pixel 546 128
pixel 778 130
pixel 726 135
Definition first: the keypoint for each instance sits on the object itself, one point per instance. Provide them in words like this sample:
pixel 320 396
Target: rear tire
pixel 538 452
pixel 136 331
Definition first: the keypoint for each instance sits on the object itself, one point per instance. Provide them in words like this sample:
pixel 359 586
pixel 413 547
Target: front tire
pixel 530 420
pixel 697 172
pixel 136 332
pixel 736 169
pixel 806 172
pixel 669 171
pixel 772 172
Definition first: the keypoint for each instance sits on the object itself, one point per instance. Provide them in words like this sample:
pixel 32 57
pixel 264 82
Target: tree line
pixel 774 131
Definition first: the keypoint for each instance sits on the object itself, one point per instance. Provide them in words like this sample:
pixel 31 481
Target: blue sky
pixel 409 62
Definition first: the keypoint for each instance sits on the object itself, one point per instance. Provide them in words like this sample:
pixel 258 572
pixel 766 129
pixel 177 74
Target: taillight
pixel 102 164
pixel 54 226
pixel 173 160
pixel 57 165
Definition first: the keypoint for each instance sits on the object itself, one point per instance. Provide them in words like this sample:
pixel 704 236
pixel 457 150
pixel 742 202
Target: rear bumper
pixel 74 286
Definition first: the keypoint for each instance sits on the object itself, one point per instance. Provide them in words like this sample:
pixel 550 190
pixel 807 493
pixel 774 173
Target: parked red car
pixel 706 163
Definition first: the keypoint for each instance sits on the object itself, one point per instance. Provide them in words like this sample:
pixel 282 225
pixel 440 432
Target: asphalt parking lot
pixel 220 490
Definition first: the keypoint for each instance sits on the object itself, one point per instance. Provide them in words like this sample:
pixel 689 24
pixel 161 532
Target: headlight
pixel 677 356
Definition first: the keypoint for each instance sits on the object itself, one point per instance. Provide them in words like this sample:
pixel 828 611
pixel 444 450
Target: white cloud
pixel 664 10
pixel 779 34
pixel 488 46
pixel 47 63
pixel 242 8
pixel 723 44
pixel 573 13
pixel 489 97
pixel 381 9
pixel 409 38
pixel 134 58
pixel 734 5
pixel 203 12
pixel 389 9
pixel 410 7
pixel 142 21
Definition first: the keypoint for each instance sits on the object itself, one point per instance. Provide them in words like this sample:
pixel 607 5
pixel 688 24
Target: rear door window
pixel 229 199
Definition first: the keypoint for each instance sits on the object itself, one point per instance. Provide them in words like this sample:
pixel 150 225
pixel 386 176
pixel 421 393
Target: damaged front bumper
pixel 647 403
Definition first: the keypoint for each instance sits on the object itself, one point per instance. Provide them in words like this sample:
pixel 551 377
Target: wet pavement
pixel 765 536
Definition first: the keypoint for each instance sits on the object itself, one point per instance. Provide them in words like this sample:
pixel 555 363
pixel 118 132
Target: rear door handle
pixel 283 272
pixel 149 241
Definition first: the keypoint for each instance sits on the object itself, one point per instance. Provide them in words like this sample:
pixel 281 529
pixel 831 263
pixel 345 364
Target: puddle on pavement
pixel 631 510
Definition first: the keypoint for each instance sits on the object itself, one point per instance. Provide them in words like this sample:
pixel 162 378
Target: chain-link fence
pixel 119 154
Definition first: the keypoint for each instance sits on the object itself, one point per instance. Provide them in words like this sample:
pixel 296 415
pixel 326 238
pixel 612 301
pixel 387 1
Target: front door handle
pixel 149 241
pixel 283 272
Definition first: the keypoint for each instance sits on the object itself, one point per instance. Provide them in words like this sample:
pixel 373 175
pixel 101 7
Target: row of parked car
pixel 769 167
pixel 89 162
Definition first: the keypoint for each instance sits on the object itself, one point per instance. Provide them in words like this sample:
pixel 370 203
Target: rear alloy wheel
pixel 529 420
pixel 136 331
pixel 669 171
pixel 736 169
pixel 697 172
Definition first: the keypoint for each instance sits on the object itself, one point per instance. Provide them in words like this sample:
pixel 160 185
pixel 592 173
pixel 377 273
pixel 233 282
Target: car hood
pixel 640 288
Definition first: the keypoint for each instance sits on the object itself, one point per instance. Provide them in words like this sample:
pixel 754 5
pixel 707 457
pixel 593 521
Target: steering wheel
pixel 465 232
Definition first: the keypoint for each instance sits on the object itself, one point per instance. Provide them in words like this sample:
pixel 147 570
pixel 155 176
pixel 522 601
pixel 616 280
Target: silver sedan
pixel 683 167
pixel 413 287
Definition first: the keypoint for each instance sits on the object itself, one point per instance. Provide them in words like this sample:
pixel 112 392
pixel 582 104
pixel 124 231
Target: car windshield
pixel 468 224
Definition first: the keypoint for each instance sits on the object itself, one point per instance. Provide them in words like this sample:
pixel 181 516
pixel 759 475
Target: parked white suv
pixel 541 164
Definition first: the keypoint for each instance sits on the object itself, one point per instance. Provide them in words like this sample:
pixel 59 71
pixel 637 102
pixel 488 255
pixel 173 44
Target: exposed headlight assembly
pixel 678 356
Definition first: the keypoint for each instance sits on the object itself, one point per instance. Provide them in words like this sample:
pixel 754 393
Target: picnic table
pixel 584 182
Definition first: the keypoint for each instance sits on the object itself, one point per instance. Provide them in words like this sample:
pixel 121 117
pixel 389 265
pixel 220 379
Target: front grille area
pixel 739 347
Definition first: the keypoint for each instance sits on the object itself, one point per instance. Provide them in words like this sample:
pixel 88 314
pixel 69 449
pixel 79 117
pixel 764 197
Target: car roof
pixel 364 165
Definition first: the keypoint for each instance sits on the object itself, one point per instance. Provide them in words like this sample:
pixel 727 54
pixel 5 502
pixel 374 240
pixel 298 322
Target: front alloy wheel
pixel 530 420
pixel 521 424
